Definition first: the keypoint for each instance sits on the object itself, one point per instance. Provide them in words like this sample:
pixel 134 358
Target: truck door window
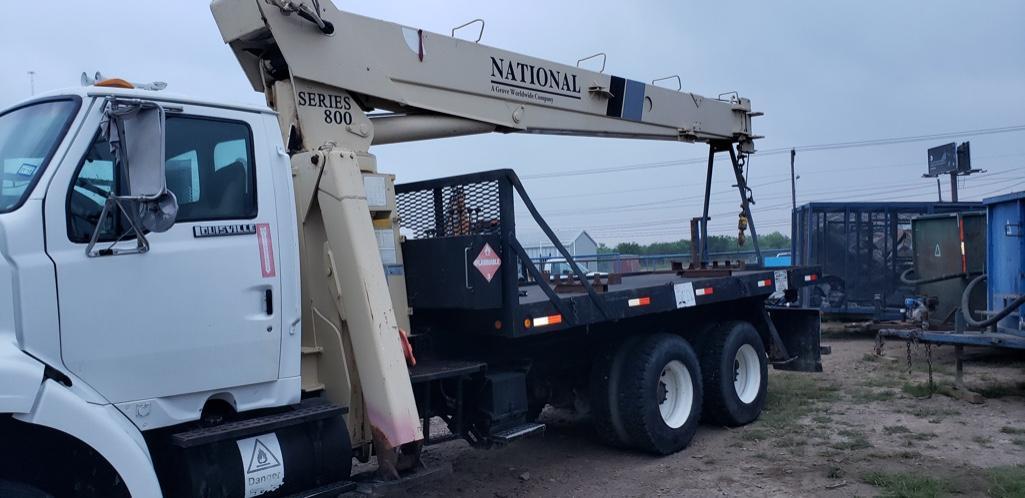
pixel 93 183
pixel 209 169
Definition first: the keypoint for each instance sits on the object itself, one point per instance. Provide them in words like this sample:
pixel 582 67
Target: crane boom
pixel 413 70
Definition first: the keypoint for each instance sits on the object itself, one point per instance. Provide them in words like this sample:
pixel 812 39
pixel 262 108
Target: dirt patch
pixel 864 427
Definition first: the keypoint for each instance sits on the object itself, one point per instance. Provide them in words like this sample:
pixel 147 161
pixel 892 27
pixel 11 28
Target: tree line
pixel 716 243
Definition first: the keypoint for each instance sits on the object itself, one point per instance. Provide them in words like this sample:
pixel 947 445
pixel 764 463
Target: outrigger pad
pixel 799 329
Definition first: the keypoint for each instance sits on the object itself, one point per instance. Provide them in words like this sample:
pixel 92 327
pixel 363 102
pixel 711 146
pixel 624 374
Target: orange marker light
pixel 638 301
pixel 115 83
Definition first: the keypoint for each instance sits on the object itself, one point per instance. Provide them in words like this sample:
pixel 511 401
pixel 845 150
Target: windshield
pixel 28 137
pixel 561 267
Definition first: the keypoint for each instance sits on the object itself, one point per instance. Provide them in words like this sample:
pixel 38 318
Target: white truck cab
pixel 100 347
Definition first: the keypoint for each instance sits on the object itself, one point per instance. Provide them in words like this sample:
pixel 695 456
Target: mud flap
pixel 798 329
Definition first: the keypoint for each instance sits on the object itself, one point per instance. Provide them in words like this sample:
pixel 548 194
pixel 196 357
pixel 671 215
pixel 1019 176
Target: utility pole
pixel 939 189
pixel 793 180
pixel 32 83
pixel 953 186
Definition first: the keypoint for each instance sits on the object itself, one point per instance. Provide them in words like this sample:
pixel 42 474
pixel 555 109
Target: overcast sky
pixel 822 72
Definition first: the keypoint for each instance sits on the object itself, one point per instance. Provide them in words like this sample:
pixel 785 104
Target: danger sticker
pixel 487 262
pixel 780 276
pixel 263 238
pixel 262 465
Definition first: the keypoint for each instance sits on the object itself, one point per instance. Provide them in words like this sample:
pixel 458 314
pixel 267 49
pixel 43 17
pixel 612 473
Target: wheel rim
pixel 675 394
pixel 747 374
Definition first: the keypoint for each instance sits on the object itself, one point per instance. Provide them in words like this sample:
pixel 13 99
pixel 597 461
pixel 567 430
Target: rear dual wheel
pixel 647 394
pixel 735 372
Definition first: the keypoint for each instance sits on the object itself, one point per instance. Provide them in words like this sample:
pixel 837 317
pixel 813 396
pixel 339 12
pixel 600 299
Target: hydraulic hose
pixel 905 277
pixel 966 311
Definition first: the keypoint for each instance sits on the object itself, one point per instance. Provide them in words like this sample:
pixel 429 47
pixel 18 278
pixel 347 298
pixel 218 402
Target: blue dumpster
pixel 1006 257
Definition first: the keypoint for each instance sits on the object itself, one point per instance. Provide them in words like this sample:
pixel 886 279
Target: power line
pixel 807 194
pixel 804 148
pixel 678 224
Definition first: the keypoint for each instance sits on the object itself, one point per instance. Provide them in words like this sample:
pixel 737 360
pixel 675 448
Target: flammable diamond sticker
pixel 487 262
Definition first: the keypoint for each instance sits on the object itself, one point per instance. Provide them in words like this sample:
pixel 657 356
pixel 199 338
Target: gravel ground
pixel 864 427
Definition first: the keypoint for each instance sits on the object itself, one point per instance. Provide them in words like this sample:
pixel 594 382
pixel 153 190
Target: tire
pixel 14 489
pixel 661 398
pixel 604 392
pixel 735 372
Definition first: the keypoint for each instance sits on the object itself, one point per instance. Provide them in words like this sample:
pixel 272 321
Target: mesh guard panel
pixel 450 211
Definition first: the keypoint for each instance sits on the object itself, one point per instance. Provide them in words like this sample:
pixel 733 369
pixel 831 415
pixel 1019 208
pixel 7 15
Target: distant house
pixel 578 243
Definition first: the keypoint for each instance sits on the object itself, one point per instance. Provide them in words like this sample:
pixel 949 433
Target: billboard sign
pixel 964 158
pixel 942 159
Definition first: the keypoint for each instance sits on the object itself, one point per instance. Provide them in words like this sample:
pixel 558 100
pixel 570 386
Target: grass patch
pixel 896 429
pixel 872 395
pixel 1000 390
pixel 907 485
pixel 754 435
pixel 822 419
pixel 790 442
pixel 908 455
pixel 836 472
pixel 1012 430
pixel 793 396
pixel 870 357
pixel 924 411
pixel 885 381
pixel 1006 481
pixel 1019 442
pixel 923 390
pixel 852 441
pixel 982 441
pixel 918 436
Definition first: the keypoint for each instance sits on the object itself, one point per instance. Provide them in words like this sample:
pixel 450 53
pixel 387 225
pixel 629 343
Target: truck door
pixel 199 311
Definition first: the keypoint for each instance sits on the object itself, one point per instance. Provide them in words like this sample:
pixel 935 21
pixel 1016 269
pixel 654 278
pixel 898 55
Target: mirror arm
pixel 141 245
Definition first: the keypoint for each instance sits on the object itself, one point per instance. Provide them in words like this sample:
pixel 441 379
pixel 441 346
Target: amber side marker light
pixel 115 83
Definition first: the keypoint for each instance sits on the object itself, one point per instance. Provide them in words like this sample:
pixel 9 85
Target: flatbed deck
pixel 646 293
pixel 532 292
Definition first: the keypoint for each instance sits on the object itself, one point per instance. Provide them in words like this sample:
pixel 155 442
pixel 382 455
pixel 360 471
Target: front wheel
pixel 661 394
pixel 735 372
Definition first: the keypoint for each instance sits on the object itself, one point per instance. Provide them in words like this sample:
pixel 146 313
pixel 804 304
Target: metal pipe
pixel 397 128
pixel 996 317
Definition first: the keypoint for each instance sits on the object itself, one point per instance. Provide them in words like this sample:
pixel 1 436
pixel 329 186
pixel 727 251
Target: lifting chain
pixel 928 358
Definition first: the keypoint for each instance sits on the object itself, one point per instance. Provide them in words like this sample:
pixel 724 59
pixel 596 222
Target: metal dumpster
pixel 1006 257
pixel 953 246
pixel 862 247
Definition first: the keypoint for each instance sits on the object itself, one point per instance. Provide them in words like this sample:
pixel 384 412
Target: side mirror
pixel 134 129
pixel 135 132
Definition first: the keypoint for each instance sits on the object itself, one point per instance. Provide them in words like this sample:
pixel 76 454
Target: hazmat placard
pixel 262 466
pixel 487 262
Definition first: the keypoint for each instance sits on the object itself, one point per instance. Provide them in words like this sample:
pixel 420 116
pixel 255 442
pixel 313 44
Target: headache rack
pixel 461 253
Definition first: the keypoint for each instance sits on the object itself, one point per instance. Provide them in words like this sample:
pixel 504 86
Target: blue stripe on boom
pixel 634 100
